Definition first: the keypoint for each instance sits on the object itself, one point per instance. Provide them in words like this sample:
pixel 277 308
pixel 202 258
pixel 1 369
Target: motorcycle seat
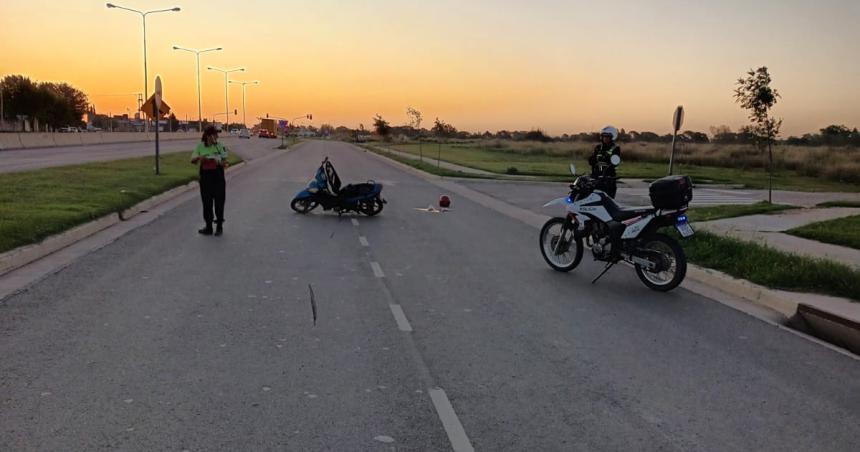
pixel 619 213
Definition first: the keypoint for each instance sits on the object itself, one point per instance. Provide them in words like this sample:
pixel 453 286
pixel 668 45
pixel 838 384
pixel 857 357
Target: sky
pixel 562 66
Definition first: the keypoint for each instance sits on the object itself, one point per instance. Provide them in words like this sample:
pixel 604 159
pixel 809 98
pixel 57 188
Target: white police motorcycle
pixel 615 233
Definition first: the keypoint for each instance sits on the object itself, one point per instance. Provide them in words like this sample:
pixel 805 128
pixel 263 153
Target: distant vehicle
pixel 245 133
pixel 69 129
pixel 266 134
pixel 234 131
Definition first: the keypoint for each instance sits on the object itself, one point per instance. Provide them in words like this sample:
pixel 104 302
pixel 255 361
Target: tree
pixel 326 130
pixel 415 122
pixel 172 123
pixel 381 127
pixel 755 94
pixel 537 135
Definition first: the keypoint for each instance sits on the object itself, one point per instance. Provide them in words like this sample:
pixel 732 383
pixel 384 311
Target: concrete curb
pixel 26 254
pixel 773 300
pixel 23 255
pixel 743 289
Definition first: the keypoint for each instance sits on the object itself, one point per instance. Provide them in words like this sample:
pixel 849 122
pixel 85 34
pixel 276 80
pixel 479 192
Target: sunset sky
pixel 564 66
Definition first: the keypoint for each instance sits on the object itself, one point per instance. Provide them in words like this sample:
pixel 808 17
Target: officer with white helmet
pixel 600 162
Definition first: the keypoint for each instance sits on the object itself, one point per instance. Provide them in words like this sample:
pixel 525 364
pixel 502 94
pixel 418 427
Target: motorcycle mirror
pixel 615 160
pixel 573 169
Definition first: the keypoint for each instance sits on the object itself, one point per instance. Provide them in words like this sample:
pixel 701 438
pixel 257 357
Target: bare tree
pixel 415 122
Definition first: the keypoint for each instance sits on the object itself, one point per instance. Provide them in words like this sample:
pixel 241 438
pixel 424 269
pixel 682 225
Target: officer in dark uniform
pixel 600 160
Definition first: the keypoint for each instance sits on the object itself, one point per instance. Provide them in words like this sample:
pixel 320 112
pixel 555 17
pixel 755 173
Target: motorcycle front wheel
pixel 560 249
pixel 672 263
pixel 303 205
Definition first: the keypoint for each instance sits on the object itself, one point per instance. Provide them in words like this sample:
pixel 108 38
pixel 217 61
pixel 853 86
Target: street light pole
pixel 244 84
pixel 143 15
pixel 199 101
pixel 226 73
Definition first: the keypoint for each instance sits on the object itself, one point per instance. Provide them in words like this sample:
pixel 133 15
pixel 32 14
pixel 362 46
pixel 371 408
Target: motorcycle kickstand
pixel 605 269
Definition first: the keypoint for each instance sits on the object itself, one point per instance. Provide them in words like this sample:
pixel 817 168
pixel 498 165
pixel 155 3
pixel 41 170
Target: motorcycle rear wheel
pixel 562 259
pixel 674 261
pixel 303 205
pixel 372 207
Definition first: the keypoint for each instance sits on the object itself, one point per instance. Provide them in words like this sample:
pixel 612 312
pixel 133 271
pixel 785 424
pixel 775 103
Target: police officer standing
pixel 600 160
pixel 211 157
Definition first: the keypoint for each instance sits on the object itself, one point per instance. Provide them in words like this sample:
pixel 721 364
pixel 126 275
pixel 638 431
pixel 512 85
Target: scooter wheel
pixel 303 205
pixel 372 207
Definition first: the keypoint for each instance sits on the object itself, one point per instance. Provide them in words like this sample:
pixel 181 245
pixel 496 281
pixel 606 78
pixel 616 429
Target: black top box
pixel 671 192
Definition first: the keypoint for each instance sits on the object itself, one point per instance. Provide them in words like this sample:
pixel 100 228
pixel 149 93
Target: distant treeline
pixel 833 135
pixel 50 104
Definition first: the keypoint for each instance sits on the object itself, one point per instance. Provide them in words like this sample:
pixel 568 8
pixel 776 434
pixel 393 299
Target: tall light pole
pixel 244 84
pixel 143 15
pixel 226 73
pixel 199 101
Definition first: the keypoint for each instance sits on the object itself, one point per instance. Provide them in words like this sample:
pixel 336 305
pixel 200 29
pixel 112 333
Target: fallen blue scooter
pixel 325 190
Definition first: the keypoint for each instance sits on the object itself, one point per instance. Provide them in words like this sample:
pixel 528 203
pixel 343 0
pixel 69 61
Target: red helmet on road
pixel 444 201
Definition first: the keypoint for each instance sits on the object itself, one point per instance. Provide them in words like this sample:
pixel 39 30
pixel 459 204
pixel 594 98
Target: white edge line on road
pixel 453 427
pixel 363 240
pixel 377 270
pixel 354 221
pixel 400 318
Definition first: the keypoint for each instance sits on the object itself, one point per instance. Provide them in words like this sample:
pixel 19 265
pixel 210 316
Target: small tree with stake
pixel 755 94
pixel 415 119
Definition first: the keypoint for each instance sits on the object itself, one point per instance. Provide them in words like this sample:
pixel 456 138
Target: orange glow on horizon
pixel 482 65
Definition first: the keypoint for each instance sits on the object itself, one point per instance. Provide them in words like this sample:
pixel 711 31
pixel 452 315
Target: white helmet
pixel 609 130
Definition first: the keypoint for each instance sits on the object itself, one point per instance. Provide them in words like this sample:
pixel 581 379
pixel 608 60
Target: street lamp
pixel 199 101
pixel 143 15
pixel 226 73
pixel 244 84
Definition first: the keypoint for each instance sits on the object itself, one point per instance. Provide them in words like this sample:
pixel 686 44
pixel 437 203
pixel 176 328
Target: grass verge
pixel 772 268
pixel 40 203
pixel 730 211
pixel 840 204
pixel 841 231
pixel 423 166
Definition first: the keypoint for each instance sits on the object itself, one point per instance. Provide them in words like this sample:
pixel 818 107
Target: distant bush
pixel 512 170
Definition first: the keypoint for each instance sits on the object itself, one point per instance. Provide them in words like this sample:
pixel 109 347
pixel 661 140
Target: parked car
pixel 245 133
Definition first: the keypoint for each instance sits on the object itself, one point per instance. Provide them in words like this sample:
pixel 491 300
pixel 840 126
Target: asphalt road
pixel 433 330
pixel 30 159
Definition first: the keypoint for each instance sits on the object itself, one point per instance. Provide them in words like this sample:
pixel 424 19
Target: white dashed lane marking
pixel 354 222
pixel 453 427
pixel 363 240
pixel 377 270
pixel 400 318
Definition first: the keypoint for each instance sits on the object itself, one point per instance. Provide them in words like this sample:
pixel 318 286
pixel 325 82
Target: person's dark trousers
pixel 213 193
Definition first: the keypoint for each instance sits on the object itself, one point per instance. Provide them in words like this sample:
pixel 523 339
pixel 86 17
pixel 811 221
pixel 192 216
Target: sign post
pixel 677 122
pixel 156 110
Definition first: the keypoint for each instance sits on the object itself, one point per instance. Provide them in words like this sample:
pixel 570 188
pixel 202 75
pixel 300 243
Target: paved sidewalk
pixel 770 229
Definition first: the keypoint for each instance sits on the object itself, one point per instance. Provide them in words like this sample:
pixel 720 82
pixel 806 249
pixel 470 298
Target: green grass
pixel 424 166
pixel 40 203
pixel 730 211
pixel 841 231
pixel 840 204
pixel 771 268
pixel 555 166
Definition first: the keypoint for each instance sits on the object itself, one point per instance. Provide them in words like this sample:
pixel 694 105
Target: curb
pixel 743 289
pixel 773 300
pixel 23 255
